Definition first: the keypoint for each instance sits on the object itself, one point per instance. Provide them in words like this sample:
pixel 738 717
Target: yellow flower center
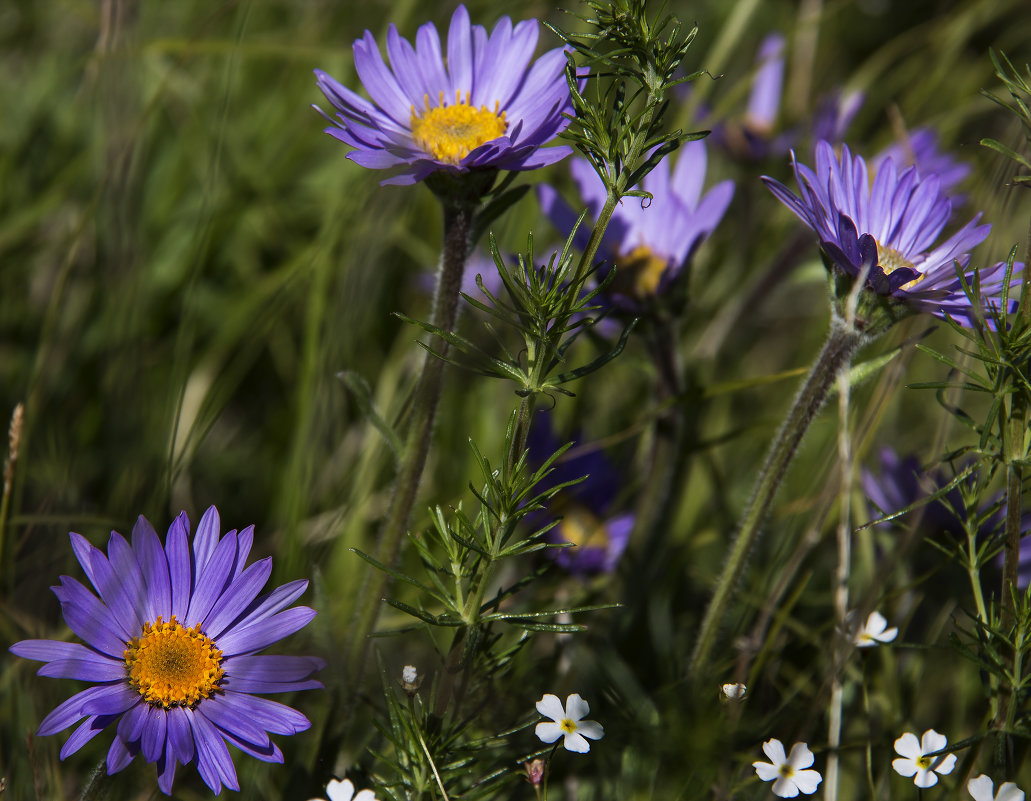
pixel 786 771
pixel 170 665
pixel 924 762
pixel 891 260
pixel 580 527
pixel 639 272
pixel 450 133
pixel 568 726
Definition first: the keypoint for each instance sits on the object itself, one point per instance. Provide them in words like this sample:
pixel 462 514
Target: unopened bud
pixel 410 678
pixel 534 771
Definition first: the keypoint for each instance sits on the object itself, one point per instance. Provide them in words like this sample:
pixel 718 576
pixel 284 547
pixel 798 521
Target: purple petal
pixel 205 540
pixel 180 735
pixel 90 728
pixel 211 580
pixel 118 756
pixel 237 597
pixel 213 760
pixel 90 619
pixel 177 548
pixel 153 740
pixel 244 639
pixel 224 712
pixel 154 564
pixel 113 700
pixel 68 712
pixel 270 715
pixel 99 669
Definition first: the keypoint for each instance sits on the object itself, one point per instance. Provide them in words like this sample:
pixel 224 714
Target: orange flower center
pixel 450 133
pixel 170 665
pixel 639 272
pixel 891 260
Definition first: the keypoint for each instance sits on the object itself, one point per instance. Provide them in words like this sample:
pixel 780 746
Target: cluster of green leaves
pixel 633 63
pixel 1019 89
pixel 460 556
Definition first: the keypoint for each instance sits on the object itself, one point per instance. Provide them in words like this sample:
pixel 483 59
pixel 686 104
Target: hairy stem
pixel 837 353
pixel 459 214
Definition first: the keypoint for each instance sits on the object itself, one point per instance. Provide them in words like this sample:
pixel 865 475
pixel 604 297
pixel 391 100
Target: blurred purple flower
pixel 752 137
pixel 650 243
pixel 479 105
pixel 834 114
pixel 920 150
pixel 599 535
pixel 891 228
pixel 171 647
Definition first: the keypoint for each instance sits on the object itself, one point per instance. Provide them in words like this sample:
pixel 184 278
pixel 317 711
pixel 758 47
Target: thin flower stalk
pixel 842 343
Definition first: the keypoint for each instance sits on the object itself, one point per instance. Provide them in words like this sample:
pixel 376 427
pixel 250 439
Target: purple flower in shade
pixel 834 114
pixel 752 136
pixel 478 105
pixel 920 150
pixel 588 522
pixel 171 647
pixel 889 228
pixel 650 243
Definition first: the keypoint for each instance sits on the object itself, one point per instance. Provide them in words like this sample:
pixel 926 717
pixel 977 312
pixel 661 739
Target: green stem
pixel 837 353
pixel 96 787
pixel 459 215
pixel 841 578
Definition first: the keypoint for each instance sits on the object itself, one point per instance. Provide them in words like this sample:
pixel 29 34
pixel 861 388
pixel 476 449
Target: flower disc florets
pixel 170 665
pixel 504 108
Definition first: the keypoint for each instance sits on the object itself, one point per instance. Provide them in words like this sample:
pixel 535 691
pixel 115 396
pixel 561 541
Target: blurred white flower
pixel 568 722
pixel 914 764
pixel 409 674
pixel 735 692
pixel 344 791
pixel 875 631
pixel 786 772
pixel 983 789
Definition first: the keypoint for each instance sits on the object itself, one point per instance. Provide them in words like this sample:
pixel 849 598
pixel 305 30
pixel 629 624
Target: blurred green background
pixel 187 261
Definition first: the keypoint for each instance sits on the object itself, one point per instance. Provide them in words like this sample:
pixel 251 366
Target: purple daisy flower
pixel 649 243
pixel 479 105
pixel 171 647
pixel 599 535
pixel 920 150
pixel 890 228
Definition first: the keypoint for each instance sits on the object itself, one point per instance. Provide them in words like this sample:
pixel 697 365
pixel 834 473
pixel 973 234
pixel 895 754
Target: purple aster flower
pixel 588 522
pixel 171 649
pixel 650 243
pixel 478 105
pixel 899 482
pixel 920 149
pixel 753 136
pixel 890 228
pixel 834 114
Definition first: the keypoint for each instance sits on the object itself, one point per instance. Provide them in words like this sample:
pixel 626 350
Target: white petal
pixel 905 767
pixel 982 788
pixel 932 741
pixel 590 728
pixel 340 791
pixel 576 707
pixel 925 778
pixel 801 756
pixel 785 787
pixel 774 749
pixel 807 780
pixel 1010 792
pixel 908 746
pixel 365 795
pixel 888 635
pixel 766 771
pixel 875 624
pixel 548 732
pixel 551 707
pixel 946 765
pixel 574 742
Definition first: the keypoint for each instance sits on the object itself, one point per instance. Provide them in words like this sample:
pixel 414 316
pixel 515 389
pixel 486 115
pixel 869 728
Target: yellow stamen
pixel 171 665
pixel 891 260
pixel 923 762
pixel 580 527
pixel 567 725
pixel 786 770
pixel 450 133
pixel 639 272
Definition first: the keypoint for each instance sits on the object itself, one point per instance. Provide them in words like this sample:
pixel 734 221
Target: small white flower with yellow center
pixel 788 773
pixel 914 762
pixel 568 722
pixel 875 631
pixel 983 789
pixel 344 791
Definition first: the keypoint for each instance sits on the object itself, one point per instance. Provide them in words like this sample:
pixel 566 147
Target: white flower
pixel 344 791
pixel 568 722
pixel 735 692
pixel 409 674
pixel 983 789
pixel 787 779
pixel 875 631
pixel 922 768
